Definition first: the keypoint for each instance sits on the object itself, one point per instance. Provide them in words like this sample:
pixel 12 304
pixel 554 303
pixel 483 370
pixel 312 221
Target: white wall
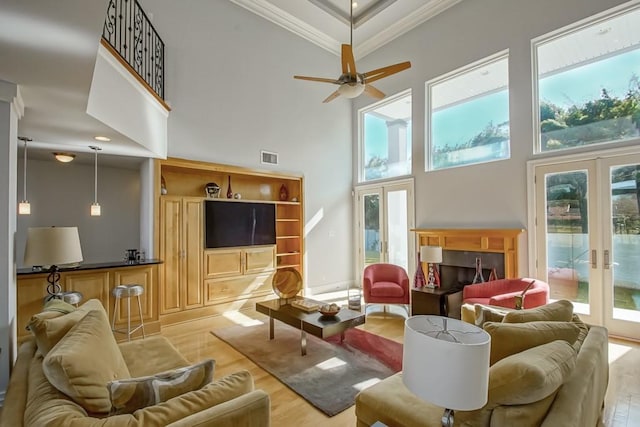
pixel 493 194
pixel 60 195
pixel 230 85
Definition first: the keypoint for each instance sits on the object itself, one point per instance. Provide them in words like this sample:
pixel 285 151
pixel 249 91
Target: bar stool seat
pixel 128 292
pixel 72 297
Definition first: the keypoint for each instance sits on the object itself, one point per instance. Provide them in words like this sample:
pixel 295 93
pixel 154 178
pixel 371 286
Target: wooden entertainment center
pixel 196 282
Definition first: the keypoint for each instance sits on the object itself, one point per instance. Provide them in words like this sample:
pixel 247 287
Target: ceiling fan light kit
pixel 352 84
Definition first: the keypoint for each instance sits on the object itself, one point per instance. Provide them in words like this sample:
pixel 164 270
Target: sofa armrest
pixel 15 400
pixel 249 410
pixel 504 300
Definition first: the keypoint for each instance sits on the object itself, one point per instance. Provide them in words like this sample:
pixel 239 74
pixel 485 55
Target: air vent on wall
pixel 268 157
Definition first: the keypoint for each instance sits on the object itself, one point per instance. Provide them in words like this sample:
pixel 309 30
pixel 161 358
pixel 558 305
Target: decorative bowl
pixel 329 309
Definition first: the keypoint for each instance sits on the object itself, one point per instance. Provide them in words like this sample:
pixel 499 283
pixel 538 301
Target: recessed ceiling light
pixel 64 157
pixel 102 138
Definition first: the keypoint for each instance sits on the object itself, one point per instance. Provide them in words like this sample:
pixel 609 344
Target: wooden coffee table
pixel 314 323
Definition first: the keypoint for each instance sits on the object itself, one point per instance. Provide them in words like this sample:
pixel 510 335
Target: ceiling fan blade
pixel 373 92
pixel 348 62
pixel 331 97
pixel 317 79
pixel 380 73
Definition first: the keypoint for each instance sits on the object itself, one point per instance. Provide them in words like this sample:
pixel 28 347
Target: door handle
pixel 607 263
pixel 594 258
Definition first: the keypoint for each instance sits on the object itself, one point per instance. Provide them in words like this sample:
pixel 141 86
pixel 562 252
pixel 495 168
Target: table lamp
pixel 432 255
pixel 446 362
pixel 50 248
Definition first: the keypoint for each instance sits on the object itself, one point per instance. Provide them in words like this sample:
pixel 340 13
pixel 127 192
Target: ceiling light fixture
pixel 64 157
pixel 102 138
pixel 95 206
pixel 24 208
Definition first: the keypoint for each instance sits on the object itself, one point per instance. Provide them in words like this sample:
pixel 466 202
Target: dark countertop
pixel 93 266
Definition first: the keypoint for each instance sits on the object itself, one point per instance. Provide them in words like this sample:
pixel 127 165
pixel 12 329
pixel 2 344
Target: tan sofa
pixel 558 383
pixel 32 400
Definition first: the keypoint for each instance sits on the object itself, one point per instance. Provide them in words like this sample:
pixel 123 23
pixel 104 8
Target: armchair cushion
pixel 129 395
pixel 83 375
pixel 512 338
pixel 385 284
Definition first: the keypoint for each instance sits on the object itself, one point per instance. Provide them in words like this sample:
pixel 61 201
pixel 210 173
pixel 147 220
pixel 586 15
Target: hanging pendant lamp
pixel 24 208
pixel 95 206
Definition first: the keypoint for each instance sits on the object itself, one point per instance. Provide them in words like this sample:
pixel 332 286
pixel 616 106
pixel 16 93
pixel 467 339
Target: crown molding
pixel 289 22
pixel 404 25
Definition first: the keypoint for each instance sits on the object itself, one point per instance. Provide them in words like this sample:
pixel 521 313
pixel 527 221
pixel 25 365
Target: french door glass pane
pixel 397 228
pixel 625 257
pixel 567 236
pixel 371 244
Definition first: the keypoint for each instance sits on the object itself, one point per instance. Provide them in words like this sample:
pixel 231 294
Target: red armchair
pixel 502 293
pixel 385 284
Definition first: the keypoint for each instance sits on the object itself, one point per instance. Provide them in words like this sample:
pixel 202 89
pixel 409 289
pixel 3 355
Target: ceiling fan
pixel 351 83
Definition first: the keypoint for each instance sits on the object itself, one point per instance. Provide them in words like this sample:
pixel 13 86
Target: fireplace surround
pixel 497 248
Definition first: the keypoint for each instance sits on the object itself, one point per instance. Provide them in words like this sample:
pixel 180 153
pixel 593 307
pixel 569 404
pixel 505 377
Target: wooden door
pixel 144 276
pixel 222 263
pixel 192 245
pixel 258 260
pixel 91 284
pixel 31 292
pixel 170 253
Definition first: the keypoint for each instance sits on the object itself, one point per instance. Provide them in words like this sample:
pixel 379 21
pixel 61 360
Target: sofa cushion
pixel 512 338
pixel 50 326
pixel 557 311
pixel 84 361
pixel 531 375
pixel 129 395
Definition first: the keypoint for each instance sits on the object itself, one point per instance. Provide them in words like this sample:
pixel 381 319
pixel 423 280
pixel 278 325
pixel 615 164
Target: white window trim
pixel 498 56
pixel 549 37
pixel 361 113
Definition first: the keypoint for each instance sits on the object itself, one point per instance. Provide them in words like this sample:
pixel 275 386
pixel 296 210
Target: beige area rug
pixel 330 375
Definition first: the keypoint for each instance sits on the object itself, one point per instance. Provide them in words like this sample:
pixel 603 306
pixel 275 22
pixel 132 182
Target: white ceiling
pixel 49 49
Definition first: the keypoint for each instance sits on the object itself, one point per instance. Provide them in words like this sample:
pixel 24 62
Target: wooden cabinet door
pixel 31 293
pixel 222 263
pixel 192 244
pixel 170 253
pixel 143 275
pixel 90 284
pixel 259 260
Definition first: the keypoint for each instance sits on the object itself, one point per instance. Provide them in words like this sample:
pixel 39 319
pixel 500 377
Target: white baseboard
pixel 331 287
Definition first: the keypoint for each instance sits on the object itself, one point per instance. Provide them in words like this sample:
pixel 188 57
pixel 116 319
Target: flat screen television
pixel 230 224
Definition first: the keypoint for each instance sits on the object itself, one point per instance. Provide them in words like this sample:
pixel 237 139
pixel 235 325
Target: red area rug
pixel 385 350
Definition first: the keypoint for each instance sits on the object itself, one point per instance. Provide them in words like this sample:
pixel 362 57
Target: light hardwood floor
pixel 194 340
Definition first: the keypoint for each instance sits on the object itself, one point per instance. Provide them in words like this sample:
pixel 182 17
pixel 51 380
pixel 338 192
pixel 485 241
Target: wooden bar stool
pixel 127 291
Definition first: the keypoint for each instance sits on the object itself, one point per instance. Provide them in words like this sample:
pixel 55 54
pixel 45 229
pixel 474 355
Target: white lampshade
pixel 47 246
pixel 446 362
pixel 351 90
pixel 431 254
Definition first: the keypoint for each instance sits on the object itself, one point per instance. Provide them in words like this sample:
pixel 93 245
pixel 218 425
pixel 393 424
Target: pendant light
pixel 24 208
pixel 95 206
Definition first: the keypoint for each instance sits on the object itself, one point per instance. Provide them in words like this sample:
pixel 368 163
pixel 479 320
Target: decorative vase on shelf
pixel 284 193
pixel 229 191
pixel 478 278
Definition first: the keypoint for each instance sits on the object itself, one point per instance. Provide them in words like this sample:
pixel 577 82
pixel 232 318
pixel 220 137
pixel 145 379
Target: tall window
pixel 589 83
pixel 385 138
pixel 468 115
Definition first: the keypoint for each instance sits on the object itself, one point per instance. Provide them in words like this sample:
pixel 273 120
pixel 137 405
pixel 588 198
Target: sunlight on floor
pixel 332 363
pixel 367 383
pixel 239 318
pixel 616 351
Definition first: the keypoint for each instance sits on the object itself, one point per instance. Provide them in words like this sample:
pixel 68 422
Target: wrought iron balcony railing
pixel 130 33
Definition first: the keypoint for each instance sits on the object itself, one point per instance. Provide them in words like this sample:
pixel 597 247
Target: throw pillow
pixel 531 375
pixel 82 363
pixel 557 311
pixel 49 327
pixel 512 338
pixel 131 394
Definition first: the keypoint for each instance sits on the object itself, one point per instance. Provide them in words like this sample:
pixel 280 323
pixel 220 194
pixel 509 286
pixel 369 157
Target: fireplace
pixel 497 249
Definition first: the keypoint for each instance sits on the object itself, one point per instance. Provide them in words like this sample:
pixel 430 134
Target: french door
pixel 384 216
pixel 588 238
